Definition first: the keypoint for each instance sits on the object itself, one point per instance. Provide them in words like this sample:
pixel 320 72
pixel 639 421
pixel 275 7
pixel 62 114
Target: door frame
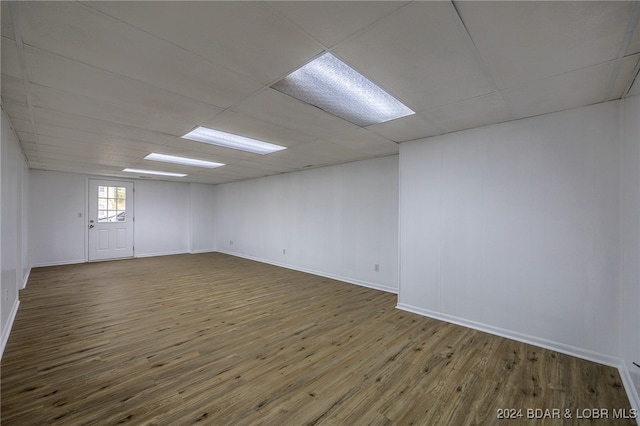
pixel 86 214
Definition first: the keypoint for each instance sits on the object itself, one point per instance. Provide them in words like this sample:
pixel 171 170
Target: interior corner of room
pixel 484 210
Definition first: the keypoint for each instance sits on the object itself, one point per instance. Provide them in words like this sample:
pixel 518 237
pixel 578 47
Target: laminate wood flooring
pixel 219 340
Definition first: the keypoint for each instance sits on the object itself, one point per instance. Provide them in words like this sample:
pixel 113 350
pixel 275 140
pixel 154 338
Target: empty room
pixel 337 213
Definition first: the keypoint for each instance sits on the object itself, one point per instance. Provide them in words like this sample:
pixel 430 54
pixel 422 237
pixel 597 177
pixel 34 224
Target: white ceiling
pixel 93 87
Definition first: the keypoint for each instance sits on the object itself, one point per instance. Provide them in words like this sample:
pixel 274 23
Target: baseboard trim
pixel 26 279
pixel 59 263
pixel 202 251
pixel 632 392
pixel 164 253
pixel 8 326
pixel 520 337
pixel 314 272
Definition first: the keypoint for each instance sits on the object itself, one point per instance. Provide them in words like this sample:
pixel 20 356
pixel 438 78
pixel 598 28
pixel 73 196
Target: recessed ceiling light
pixel 331 85
pixel 154 172
pixel 229 140
pixel 182 160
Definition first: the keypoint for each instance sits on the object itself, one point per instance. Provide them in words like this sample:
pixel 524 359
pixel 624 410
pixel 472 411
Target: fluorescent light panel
pixel 331 85
pixel 229 140
pixel 182 160
pixel 154 172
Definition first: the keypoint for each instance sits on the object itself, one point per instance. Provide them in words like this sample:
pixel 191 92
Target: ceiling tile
pixel 55 139
pixel 119 158
pixel 634 44
pixel 367 142
pixel 53 71
pixel 522 42
pixel 27 139
pixel 88 129
pixel 6 25
pixel 277 108
pixel 113 81
pixel 247 37
pixel 16 110
pixel 13 89
pixel 625 76
pixel 635 89
pixel 407 129
pixel 220 154
pixel 10 61
pixel 153 118
pixel 322 153
pixel 331 22
pixel 23 126
pixel 266 167
pixel 91 37
pixel 284 162
pixel 468 113
pixel 565 91
pixel 240 124
pixel 419 55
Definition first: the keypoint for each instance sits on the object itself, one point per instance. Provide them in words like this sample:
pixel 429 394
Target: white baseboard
pixel 26 279
pixel 520 337
pixel 163 253
pixel 629 386
pixel 211 250
pixel 8 326
pixel 58 263
pixel 313 272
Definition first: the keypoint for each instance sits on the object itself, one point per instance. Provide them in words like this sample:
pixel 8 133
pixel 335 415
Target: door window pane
pixel 112 203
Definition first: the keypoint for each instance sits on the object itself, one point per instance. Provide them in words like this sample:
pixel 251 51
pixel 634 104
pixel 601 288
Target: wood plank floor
pixel 215 339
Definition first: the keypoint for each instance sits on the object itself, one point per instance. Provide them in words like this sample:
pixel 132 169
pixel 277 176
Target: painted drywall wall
pixel 57 210
pixel 162 212
pixel 515 229
pixel 202 222
pixel 630 238
pixel 13 263
pixel 26 261
pixel 337 221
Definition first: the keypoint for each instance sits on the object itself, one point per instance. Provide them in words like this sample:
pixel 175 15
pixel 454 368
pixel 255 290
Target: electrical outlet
pixel 284 251
pixel 230 242
pixel 376 267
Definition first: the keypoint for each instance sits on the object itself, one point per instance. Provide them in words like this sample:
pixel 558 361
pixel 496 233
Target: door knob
pixel 90 226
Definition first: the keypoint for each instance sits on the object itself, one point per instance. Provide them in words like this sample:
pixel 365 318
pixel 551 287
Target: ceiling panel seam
pixel 17 33
pixel 345 39
pixel 331 49
pixel 476 53
pixel 120 75
pixel 632 79
pixel 631 28
pixel 84 4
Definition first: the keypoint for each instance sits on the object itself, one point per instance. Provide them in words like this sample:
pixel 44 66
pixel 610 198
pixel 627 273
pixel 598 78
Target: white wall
pixel 515 229
pixel 164 213
pixel 26 260
pixel 336 221
pixel 13 263
pixel 202 221
pixel 56 233
pixel 630 259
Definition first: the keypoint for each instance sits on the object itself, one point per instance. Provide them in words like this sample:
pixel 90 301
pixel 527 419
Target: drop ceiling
pixel 94 87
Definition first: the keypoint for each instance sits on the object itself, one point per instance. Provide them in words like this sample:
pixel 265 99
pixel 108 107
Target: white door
pixel 110 219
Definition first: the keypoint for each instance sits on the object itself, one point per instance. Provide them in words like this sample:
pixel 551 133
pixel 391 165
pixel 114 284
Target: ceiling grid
pixel 95 87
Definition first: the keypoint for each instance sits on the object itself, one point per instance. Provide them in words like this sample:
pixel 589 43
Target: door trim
pixel 87 209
